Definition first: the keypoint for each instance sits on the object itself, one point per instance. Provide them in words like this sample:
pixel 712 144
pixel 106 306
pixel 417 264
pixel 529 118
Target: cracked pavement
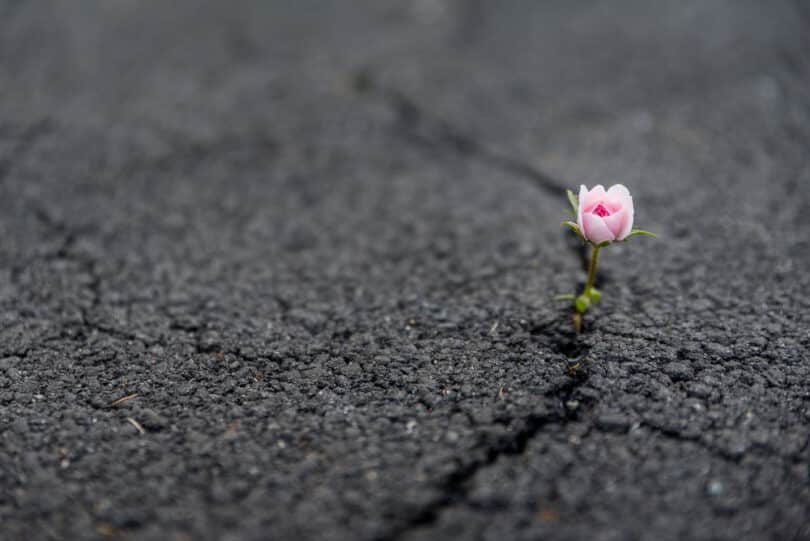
pixel 286 270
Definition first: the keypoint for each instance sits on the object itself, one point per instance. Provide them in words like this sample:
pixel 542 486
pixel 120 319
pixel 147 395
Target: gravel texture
pixel 285 270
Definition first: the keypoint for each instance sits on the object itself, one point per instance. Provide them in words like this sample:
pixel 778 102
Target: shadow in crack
pixel 559 336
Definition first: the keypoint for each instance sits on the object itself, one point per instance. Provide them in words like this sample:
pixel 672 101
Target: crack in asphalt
pixel 455 488
pixel 88 265
pixel 429 130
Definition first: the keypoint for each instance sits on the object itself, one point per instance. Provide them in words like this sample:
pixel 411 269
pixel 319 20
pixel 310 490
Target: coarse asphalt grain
pixel 285 270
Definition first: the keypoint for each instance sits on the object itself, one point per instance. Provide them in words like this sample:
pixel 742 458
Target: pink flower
pixel 605 215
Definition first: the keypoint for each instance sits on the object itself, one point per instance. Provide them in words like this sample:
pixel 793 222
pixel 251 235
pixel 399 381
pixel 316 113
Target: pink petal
pixel 628 222
pixel 583 194
pixel 595 229
pixel 618 190
pixel 615 222
pixel 593 197
pixel 619 195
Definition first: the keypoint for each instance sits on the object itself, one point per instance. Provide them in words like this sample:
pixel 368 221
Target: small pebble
pixel 714 488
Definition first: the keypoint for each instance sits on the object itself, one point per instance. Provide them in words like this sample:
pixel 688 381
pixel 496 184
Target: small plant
pixel 603 217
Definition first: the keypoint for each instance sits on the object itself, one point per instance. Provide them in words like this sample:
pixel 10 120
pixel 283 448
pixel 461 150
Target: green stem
pixel 590 295
pixel 592 269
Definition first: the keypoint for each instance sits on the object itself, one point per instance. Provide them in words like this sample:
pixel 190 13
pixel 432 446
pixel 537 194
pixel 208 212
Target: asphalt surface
pixel 285 270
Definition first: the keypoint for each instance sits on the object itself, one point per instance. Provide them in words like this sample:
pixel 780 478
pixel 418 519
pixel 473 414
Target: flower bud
pixel 605 216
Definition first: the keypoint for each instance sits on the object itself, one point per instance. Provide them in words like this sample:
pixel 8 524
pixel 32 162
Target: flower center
pixel 600 210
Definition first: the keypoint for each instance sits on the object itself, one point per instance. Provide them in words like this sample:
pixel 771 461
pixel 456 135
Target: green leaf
pixel 575 228
pixel 635 232
pixel 565 297
pixel 582 303
pixel 595 295
pixel 574 200
pixel 604 244
pixel 571 213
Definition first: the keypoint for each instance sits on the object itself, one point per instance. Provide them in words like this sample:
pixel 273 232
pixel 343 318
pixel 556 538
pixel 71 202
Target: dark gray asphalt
pixel 318 241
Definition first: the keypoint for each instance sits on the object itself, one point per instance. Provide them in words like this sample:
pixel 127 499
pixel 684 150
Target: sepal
pixel 635 232
pixel 575 228
pixel 574 200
